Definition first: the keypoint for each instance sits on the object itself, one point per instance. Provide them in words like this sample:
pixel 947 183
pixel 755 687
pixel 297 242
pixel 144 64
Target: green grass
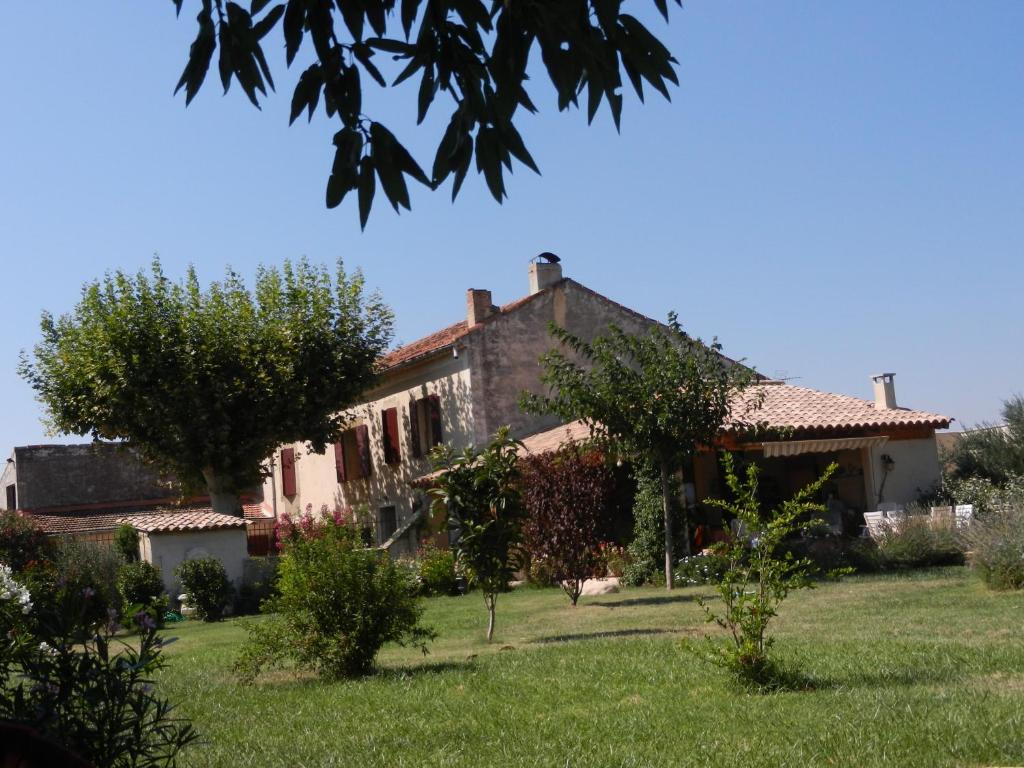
pixel 918 670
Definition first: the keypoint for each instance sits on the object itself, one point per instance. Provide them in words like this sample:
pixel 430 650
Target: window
pixel 425 423
pixel 389 428
pixel 352 455
pixel 288 471
pixel 12 496
pixel 387 524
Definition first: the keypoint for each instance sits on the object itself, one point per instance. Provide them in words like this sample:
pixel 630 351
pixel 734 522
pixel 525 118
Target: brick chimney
pixel 478 306
pixel 543 274
pixel 885 390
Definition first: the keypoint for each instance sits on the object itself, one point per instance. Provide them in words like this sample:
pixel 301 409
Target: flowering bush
pixel 22 543
pixel 615 558
pixel 62 679
pixel 706 568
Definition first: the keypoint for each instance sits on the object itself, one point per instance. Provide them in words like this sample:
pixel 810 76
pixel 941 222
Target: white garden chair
pixel 874 524
pixel 964 515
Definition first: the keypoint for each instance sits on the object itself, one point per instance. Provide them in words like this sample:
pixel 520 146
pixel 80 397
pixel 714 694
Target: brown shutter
pixel 414 423
pixel 363 449
pixel 389 426
pixel 436 432
pixel 288 471
pixel 339 460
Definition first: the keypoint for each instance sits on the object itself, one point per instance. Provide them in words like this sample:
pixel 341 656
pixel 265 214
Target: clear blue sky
pixel 836 189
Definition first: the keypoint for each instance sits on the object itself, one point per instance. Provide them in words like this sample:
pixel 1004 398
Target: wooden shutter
pixel 414 423
pixel 389 426
pixel 288 471
pixel 339 460
pixel 363 449
pixel 436 432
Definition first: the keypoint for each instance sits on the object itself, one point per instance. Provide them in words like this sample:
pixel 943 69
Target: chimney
pixel 885 390
pixel 478 306
pixel 544 274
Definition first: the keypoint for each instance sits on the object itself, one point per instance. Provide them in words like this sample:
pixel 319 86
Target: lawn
pixel 918 670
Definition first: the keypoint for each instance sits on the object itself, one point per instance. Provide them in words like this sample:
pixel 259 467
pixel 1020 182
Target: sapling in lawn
pixel 760 572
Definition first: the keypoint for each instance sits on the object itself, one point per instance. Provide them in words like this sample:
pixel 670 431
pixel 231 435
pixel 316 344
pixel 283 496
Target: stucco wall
pixel 915 471
pixel 167 550
pixel 63 475
pixel 316 484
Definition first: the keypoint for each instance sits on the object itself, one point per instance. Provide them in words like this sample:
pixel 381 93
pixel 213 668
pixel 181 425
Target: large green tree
pixel 655 397
pixel 207 383
pixel 474 52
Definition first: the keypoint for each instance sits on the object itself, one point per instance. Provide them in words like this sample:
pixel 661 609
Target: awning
pixel 796 447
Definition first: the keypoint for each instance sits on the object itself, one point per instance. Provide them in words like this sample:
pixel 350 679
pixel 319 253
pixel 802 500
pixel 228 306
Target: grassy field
pixel 918 670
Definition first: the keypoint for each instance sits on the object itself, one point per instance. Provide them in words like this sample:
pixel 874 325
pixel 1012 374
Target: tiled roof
pixel 553 439
pixel 176 522
pixel 447 336
pixel 785 406
pixel 95 522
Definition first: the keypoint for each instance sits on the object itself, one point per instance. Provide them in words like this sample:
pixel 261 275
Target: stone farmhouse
pixel 459 384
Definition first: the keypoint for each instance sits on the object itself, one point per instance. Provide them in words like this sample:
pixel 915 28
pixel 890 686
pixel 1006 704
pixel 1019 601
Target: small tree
pixel 206 586
pixel 655 397
pixel 759 574
pixel 566 494
pixel 480 490
pixel 126 541
pixel 206 384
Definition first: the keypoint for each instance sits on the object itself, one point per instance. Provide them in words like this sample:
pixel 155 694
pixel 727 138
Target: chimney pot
pixel 478 306
pixel 885 390
pixel 543 275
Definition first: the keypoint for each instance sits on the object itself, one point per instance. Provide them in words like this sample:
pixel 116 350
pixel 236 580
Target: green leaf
pixel 367 188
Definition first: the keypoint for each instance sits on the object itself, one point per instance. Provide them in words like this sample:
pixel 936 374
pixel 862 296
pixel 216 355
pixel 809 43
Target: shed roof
pixel 99 521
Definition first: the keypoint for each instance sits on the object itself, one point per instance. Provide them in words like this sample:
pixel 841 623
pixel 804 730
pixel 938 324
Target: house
pixel 88 491
pixel 459 384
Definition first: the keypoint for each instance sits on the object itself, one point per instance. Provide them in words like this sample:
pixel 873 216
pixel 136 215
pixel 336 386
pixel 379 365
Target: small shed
pixel 168 539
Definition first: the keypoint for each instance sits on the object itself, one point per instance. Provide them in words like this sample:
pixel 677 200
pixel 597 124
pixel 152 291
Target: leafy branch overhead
pixel 474 52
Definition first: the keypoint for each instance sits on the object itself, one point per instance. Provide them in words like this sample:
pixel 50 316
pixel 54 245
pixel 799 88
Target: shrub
pixel 997 546
pixel 615 558
pixel 338 604
pixel 142 588
pixel 258 587
pixel 915 542
pixel 540 573
pixel 22 543
pixel 436 571
pixel 78 567
pixel 126 541
pixel 758 576
pixel 206 587
pixel 566 494
pixel 706 568
pixel 62 677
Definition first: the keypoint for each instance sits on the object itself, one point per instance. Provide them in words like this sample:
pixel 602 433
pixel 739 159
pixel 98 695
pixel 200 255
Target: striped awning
pixel 796 447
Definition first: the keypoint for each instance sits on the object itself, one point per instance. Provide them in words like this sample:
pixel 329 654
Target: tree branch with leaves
pixel 474 52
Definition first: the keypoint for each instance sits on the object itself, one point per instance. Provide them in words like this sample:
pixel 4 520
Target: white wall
pixel 916 470
pixel 167 550
pixel 316 484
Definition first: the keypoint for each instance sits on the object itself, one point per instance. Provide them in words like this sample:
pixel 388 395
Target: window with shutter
pixel 414 425
pixel 363 450
pixel 389 427
pixel 339 460
pixel 436 431
pixel 288 471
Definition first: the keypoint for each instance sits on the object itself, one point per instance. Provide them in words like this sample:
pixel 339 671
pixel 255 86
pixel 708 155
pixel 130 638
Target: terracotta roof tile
pixel 175 522
pixel 98 521
pixel 799 408
pixel 447 336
